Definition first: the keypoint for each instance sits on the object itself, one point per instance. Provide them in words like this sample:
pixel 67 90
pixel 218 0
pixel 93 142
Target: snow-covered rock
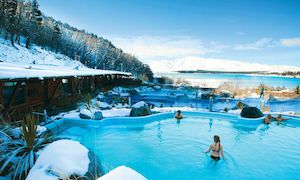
pixel 100 97
pixel 120 105
pixel 85 114
pixel 139 104
pixel 157 87
pixel 122 173
pixel 103 105
pixel 60 160
pixel 140 109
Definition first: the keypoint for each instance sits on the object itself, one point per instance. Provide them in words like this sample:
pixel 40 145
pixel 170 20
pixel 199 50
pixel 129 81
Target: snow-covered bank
pixel 211 64
pixel 60 160
pixel 122 173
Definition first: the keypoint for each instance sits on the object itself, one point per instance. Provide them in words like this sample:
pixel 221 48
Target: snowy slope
pixel 21 55
pixel 210 64
pixel 20 62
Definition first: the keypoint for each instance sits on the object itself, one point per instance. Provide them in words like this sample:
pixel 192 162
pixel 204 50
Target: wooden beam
pixel 54 92
pixel 12 97
pixel 46 87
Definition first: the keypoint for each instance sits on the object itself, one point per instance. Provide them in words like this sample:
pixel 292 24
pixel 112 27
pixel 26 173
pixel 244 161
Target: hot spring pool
pixel 160 148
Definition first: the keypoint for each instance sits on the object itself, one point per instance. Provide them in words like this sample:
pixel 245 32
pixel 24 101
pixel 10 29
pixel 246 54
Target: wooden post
pixel 46 87
pixel 54 91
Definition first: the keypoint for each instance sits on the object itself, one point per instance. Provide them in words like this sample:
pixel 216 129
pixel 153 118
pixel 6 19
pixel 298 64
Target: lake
pixel 238 80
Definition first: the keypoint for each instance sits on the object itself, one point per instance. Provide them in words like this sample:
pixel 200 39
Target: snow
pixel 173 109
pixel 139 104
pixel 212 64
pixel 235 111
pixel 20 62
pixel 19 71
pixel 61 158
pixel 116 112
pixel 122 173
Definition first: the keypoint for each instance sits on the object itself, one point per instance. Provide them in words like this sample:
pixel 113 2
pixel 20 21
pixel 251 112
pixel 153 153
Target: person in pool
pixel 268 119
pixel 280 118
pixel 178 115
pixel 216 149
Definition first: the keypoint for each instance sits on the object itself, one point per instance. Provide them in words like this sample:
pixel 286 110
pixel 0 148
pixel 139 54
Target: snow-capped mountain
pixel 211 64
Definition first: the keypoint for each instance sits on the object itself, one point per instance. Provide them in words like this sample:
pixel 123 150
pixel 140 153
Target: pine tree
pixel 55 37
pixel 36 14
pixel 2 13
pixel 11 10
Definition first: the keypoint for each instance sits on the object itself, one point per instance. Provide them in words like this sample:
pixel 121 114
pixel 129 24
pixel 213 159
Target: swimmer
pixel 178 115
pixel 280 118
pixel 267 120
pixel 216 149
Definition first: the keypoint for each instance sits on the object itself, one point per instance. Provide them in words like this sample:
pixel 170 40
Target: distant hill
pixel 197 64
pixel 24 22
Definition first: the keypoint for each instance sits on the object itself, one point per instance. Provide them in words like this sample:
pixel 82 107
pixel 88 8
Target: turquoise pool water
pixel 165 149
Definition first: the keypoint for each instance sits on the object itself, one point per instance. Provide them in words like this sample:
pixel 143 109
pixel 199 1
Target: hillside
pixel 23 22
pixel 210 64
pixel 18 54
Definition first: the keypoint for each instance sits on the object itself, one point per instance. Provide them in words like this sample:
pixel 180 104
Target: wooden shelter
pixel 24 89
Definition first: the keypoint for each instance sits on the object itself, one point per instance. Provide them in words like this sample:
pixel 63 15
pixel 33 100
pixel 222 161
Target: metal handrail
pixel 58 125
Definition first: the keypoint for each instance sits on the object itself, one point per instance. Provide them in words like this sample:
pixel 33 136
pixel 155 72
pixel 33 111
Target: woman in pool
pixel 178 115
pixel 216 149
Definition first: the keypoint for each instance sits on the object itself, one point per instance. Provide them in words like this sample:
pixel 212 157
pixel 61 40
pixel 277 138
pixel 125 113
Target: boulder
pixel 98 115
pixel 140 109
pixel 157 87
pixel 240 105
pixel 251 112
pixel 95 168
pixel 85 114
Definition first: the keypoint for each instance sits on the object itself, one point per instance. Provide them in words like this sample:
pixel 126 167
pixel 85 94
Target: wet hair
pixel 178 111
pixel 217 140
pixel 269 116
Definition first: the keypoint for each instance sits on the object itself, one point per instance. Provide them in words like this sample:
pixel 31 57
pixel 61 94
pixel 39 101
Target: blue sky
pixel 261 31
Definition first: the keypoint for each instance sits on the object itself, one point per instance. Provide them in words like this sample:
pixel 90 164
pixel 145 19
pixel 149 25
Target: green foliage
pixel 88 100
pixel 29 130
pixel 19 155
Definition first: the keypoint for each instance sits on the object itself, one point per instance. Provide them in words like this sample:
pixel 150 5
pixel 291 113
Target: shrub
pixel 20 155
